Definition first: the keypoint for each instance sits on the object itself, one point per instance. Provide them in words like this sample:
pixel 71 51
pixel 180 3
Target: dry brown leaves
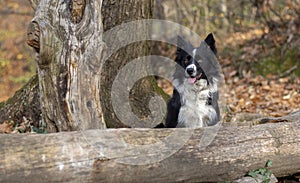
pixel 269 96
pixel 6 127
pixel 10 127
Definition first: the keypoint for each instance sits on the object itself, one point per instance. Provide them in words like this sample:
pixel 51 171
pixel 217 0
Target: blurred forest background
pixel 258 47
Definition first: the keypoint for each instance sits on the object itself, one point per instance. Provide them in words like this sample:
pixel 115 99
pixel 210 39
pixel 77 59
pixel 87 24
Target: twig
pixel 288 72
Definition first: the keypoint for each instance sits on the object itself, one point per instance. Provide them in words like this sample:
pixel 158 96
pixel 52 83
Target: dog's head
pixel 195 61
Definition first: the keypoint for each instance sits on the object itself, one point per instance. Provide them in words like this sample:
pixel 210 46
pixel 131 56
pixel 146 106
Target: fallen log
pixel 209 154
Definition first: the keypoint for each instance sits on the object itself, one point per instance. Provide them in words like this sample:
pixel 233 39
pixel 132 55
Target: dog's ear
pixel 210 41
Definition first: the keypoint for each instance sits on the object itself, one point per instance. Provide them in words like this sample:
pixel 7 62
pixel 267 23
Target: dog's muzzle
pixel 191 70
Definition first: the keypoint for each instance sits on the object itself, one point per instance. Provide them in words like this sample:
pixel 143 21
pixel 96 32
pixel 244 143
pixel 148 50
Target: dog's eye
pixel 186 61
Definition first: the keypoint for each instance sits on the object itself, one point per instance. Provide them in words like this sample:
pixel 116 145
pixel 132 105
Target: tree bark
pixel 115 14
pixel 66 35
pixel 123 155
pixel 25 103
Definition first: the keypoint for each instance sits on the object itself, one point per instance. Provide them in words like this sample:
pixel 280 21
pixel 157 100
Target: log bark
pixel 150 155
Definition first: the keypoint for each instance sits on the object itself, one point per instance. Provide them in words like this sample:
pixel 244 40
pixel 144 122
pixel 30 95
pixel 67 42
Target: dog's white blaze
pixel 194 53
pixel 193 66
pixel 194 112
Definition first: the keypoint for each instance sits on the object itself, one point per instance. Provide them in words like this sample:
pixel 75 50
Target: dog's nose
pixel 190 71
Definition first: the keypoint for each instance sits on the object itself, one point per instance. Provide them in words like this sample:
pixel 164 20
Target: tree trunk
pixel 66 36
pixel 115 14
pixel 150 155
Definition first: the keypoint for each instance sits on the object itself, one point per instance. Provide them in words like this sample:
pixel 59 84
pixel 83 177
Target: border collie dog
pixel 195 96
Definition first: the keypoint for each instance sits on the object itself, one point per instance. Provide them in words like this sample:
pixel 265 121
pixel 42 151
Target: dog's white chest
pixel 194 111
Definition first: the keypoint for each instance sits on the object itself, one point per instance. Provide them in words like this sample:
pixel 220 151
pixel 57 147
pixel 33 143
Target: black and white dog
pixel 195 96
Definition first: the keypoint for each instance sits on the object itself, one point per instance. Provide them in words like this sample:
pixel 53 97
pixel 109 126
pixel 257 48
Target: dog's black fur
pixel 195 96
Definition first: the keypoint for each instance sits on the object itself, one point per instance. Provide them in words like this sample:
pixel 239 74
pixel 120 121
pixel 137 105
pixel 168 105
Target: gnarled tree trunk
pixel 66 35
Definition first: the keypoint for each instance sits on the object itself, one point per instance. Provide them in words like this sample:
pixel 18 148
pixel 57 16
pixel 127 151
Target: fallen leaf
pixel 6 127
